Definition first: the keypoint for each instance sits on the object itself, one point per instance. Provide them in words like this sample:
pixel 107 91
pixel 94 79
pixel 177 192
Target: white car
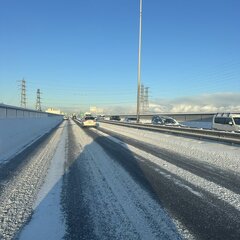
pixel 130 119
pixel 89 121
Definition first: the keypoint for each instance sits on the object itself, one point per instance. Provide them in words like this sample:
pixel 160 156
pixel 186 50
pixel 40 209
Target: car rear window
pixel 89 118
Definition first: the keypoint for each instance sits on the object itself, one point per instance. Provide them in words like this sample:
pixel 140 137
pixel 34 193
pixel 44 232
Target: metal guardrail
pixel 222 136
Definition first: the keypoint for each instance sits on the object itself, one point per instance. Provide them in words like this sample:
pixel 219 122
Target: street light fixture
pixel 139 63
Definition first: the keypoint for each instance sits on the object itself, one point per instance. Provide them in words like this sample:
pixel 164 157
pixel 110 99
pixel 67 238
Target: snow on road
pixel 47 221
pixel 20 192
pixel 221 155
pixel 215 158
pixel 221 192
pixel 74 188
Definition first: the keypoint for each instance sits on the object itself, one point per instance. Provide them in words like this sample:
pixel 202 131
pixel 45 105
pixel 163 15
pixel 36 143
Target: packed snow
pixel 47 222
pixel 197 124
pixel 18 133
pixel 19 194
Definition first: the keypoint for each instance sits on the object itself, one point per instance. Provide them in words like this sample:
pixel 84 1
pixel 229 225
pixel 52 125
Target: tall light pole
pixel 139 63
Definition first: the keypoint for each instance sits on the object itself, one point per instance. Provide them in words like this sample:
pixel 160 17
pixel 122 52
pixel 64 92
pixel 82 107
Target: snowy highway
pixel 115 182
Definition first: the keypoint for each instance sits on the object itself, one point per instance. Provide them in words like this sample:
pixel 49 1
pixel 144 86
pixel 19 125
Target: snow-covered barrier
pixel 21 127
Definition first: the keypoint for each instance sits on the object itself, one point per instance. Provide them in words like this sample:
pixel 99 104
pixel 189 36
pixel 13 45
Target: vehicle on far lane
pixel 226 122
pixel 89 121
pixel 130 119
pixel 165 120
pixel 115 118
pixel 101 117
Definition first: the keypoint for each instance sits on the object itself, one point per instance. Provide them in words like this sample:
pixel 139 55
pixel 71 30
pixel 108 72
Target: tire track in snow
pixel 105 202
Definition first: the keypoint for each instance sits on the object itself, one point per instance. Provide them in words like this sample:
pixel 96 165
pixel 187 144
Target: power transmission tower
pixel 23 94
pixel 146 101
pixel 142 98
pixel 38 101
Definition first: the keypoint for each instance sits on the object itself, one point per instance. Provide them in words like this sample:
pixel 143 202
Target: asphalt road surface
pixel 120 187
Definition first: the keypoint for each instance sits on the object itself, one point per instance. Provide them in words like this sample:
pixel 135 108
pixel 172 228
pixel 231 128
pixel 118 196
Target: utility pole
pixel 38 101
pixel 23 102
pixel 139 63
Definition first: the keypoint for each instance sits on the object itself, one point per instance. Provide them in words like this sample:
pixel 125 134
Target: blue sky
pixel 84 53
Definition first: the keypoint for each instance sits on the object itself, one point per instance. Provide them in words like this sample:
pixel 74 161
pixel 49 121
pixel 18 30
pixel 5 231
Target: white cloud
pixel 218 102
pixel 120 110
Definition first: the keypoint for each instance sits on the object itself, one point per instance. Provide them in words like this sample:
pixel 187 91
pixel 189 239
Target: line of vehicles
pixel 221 121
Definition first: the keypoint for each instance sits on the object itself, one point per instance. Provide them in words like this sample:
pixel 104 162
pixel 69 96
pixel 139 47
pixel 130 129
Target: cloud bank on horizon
pixel 217 102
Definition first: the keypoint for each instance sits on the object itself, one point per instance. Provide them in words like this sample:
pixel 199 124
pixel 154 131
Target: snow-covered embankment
pixel 17 133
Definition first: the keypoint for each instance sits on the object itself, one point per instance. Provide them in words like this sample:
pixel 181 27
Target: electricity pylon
pixel 23 102
pixel 38 101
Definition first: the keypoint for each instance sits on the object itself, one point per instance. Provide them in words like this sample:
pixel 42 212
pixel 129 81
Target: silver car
pixel 164 120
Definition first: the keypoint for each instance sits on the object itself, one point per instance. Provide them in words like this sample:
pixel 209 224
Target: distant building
pixel 95 110
pixel 52 110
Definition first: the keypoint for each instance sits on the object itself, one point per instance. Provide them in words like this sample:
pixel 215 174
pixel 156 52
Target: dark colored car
pixel 115 118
